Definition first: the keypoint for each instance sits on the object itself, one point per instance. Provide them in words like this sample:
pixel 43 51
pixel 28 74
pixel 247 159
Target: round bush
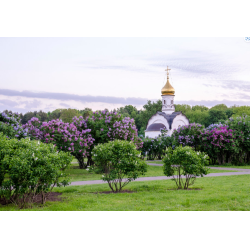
pixel 184 165
pixel 120 163
pixel 30 168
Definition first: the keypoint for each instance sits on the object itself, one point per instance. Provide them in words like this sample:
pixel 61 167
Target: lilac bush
pixel 220 144
pixel 33 128
pixel 241 128
pixel 188 135
pixel 10 125
pixel 108 126
pixel 63 135
pixel 216 125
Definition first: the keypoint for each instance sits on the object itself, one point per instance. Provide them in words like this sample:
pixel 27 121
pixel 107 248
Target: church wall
pixel 152 134
pixel 179 121
pixel 158 119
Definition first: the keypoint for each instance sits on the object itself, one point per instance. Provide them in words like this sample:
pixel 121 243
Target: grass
pixel 219 166
pixel 231 166
pixel 77 174
pixel 225 193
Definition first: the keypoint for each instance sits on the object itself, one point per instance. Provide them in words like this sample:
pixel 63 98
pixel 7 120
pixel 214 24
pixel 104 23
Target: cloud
pixel 236 84
pixel 64 105
pixel 212 103
pixel 8 103
pixel 31 105
pixel 197 63
pixel 73 97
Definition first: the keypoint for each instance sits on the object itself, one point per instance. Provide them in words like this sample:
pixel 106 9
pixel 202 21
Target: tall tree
pixel 86 112
pixel 68 114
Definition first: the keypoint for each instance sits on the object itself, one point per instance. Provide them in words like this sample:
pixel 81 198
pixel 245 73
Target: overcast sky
pixel 51 73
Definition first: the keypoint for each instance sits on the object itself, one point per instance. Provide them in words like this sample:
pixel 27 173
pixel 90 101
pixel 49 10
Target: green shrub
pixel 154 148
pixel 119 161
pixel 30 168
pixel 184 165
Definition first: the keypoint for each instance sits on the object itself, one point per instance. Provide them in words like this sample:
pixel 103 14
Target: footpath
pixel 240 171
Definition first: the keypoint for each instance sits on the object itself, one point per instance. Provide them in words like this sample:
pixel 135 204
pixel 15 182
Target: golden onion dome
pixel 167 89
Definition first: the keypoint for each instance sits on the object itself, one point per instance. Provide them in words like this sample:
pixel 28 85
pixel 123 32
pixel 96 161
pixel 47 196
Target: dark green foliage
pixel 216 115
pixel 29 168
pixel 120 163
pixel 54 115
pixel 154 148
pixel 241 131
pixel 85 112
pixel 187 163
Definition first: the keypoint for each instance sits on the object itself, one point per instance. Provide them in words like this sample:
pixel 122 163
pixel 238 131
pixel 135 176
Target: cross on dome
pixel 167 71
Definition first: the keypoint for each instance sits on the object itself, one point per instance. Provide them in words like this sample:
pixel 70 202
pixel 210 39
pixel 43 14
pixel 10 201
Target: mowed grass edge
pixel 227 193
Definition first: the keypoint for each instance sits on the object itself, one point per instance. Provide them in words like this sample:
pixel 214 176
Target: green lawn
pixel 216 194
pixel 77 174
pixel 220 166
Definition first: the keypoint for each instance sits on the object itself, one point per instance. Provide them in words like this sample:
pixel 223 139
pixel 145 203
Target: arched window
pixel 164 101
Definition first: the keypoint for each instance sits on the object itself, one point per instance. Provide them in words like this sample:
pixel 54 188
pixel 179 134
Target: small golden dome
pixel 167 89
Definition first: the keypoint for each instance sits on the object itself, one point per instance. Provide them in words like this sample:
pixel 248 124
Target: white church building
pixel 168 118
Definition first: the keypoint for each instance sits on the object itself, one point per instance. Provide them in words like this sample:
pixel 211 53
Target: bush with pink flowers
pixel 220 144
pixel 63 135
pixel 107 126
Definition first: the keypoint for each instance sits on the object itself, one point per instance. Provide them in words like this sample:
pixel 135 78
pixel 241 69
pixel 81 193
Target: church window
pixel 164 102
pixel 172 102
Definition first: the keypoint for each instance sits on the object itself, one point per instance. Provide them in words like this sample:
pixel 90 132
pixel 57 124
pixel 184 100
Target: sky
pixel 50 73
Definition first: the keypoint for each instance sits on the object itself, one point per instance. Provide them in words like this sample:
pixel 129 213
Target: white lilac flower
pixel 36 158
pixel 33 155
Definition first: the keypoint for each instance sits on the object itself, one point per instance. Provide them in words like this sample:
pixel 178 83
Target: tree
pixel 43 116
pixel 54 114
pixel 220 107
pixel 198 116
pixel 86 112
pixel 240 111
pixel 27 116
pixel 216 115
pixel 200 107
pixel 68 114
pixel 184 108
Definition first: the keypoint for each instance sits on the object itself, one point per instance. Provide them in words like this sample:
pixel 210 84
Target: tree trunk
pixel 248 157
pixel 219 159
pixel 223 159
pixel 81 162
pixel 90 161
pixel 229 159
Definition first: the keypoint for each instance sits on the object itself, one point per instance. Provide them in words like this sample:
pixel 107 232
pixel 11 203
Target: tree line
pixel 196 114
